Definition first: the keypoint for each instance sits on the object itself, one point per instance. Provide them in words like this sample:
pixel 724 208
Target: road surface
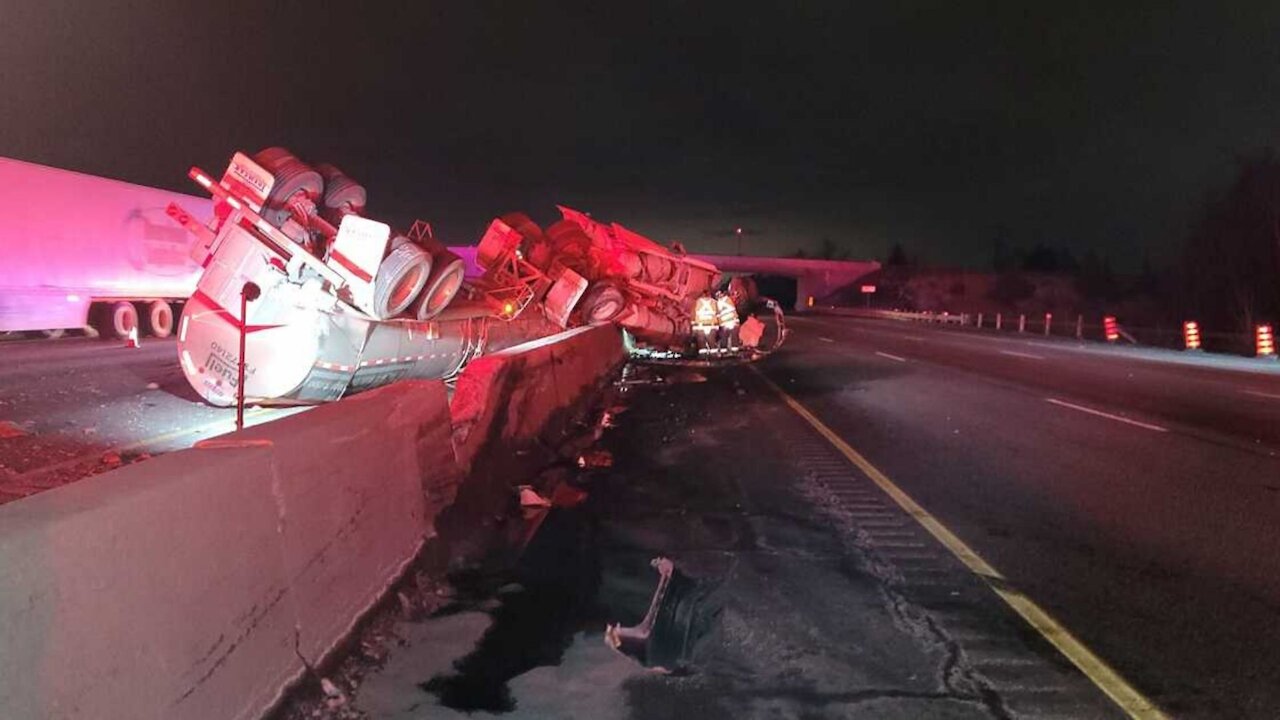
pixel 78 406
pixel 1137 500
pixel 802 591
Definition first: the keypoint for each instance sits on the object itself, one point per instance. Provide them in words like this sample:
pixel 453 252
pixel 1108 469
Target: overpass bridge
pixel 814 278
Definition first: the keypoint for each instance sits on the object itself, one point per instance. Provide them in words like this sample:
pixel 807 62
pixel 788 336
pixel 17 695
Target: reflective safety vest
pixel 704 313
pixel 726 312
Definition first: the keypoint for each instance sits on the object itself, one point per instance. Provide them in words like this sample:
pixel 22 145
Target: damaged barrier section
pixel 203 583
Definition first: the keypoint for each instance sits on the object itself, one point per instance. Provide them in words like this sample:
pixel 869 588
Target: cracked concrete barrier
pixel 192 585
pixel 356 485
pixel 516 402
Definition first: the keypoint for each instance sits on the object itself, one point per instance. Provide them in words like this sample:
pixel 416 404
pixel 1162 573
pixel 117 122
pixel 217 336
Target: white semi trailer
pixel 81 251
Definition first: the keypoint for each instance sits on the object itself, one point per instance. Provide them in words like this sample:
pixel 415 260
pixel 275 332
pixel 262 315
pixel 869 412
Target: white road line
pixel 1272 396
pixel 1015 353
pixel 1109 416
pixel 891 357
pixel 826 339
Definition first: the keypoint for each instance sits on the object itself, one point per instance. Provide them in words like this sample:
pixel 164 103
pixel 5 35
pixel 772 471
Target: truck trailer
pixel 303 298
pixel 79 251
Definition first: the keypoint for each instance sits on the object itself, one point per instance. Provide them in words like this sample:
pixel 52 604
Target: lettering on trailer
pixel 224 364
pixel 248 179
pixel 242 173
pixel 322 388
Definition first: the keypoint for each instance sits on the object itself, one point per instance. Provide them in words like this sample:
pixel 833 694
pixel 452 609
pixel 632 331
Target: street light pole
pixel 249 292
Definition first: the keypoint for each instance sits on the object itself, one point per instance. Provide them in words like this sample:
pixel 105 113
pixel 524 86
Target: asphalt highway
pixel 1133 496
pixel 78 406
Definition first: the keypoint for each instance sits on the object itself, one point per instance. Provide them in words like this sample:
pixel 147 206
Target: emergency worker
pixel 727 318
pixel 704 320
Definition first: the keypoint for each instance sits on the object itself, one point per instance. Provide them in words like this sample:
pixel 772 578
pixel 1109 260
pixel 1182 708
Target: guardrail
pixel 930 317
pixel 1070 325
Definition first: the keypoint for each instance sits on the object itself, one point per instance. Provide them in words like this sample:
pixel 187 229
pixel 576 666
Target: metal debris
pixel 10 429
pixel 595 459
pixel 529 498
pixel 634 641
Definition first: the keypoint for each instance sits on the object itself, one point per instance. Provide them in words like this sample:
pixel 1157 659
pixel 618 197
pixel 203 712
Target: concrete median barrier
pixel 154 591
pixel 515 403
pixel 200 584
pixel 349 482
pixel 192 585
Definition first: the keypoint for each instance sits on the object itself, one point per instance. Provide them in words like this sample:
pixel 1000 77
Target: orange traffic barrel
pixel 1266 342
pixel 1191 335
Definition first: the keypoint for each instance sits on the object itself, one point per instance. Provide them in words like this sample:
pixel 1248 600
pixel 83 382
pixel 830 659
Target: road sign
pixel 868 289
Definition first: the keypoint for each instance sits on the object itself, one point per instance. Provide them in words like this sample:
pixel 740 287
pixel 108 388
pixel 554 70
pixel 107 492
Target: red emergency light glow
pixel 1191 335
pixel 809 302
pixel 1266 341
pixel 1110 329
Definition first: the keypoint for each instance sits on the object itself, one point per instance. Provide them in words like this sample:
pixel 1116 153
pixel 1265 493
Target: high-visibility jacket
pixel 704 313
pixel 726 313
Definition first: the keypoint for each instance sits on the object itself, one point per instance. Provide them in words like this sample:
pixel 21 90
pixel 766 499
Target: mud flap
pixel 662 638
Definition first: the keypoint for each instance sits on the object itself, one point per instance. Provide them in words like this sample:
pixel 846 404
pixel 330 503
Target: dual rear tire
pixel 117 320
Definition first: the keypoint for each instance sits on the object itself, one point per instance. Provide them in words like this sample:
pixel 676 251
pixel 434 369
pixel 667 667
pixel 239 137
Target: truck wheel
pixel 444 283
pixel 124 317
pixel 399 280
pixel 159 319
pixel 340 191
pixel 602 303
pixel 292 177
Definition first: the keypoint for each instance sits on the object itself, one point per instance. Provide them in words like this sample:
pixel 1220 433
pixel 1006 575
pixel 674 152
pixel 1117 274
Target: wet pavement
pixel 801 591
pixel 76 407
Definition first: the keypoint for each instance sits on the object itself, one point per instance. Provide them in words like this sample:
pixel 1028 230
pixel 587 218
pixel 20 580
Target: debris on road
pixel 635 641
pixel 529 498
pixel 595 459
pixel 10 429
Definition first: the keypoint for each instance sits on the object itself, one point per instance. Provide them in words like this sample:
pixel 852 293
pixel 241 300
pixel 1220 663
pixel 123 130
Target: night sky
pixel 938 125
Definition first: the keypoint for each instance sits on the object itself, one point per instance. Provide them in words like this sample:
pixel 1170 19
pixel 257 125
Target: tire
pixel 400 279
pixel 292 177
pixel 444 283
pixel 123 318
pixel 340 191
pixel 602 303
pixel 159 319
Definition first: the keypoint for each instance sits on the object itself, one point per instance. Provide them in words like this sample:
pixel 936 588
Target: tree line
pixel 1226 273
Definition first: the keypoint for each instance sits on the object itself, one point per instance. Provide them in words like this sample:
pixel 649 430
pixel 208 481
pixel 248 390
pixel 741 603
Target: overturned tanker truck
pixel 332 302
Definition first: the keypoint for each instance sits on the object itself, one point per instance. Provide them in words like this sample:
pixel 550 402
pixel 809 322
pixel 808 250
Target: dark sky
pixel 938 125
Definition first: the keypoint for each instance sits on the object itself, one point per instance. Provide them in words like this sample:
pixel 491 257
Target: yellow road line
pixel 135 445
pixel 198 429
pixel 1108 680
